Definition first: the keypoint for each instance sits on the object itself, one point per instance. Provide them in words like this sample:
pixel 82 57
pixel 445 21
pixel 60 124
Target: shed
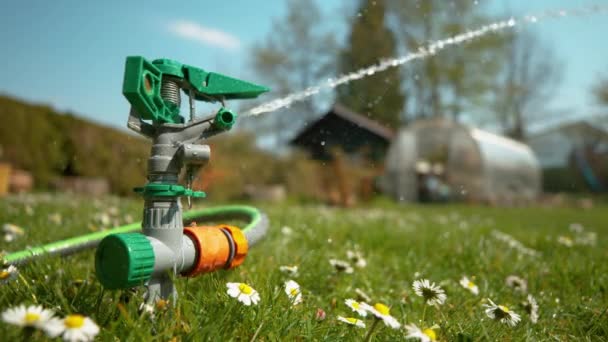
pixel 351 150
pixel 355 134
pixel 573 156
pixel 472 164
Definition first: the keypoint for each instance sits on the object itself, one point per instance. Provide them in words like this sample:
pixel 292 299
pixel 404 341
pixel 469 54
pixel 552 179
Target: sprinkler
pixel 166 246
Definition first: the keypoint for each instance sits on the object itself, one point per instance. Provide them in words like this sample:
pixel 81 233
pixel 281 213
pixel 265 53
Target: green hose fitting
pixel 124 260
pixel 225 119
pixel 167 190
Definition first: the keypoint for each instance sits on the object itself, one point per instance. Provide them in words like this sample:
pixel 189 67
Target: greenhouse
pixel 439 160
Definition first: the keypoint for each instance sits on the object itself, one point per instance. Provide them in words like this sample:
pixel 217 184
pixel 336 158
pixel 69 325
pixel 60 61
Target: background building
pixel 574 157
pixel 438 159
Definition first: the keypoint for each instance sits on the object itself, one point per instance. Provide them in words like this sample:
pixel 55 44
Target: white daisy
pixel 469 285
pixel 341 266
pixel 151 309
pixel 586 239
pixel 103 219
pixel 356 307
pixel 290 270
pixel 501 313
pixel 423 335
pixel 565 240
pixel 55 218
pixel 352 321
pixel 148 309
pixel 32 316
pixel 243 293
pixel 29 210
pixel 576 228
pixel 382 312
pixel 517 283
pixel 11 231
pixel 432 294
pixel 531 307
pixel 292 289
pixel 72 328
pixel 162 304
pixel 357 258
pixel 7 274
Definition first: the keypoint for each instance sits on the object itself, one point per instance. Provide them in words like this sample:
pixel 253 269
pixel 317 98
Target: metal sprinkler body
pixel 166 248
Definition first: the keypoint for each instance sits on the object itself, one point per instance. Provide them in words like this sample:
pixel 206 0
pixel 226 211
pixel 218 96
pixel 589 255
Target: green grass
pixel 400 243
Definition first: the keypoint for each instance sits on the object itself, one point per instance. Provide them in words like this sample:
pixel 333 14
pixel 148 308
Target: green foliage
pixel 297 52
pixel 51 144
pixel 457 81
pixel 600 91
pixel 563 180
pixel 441 243
pixel 378 96
pixel 237 163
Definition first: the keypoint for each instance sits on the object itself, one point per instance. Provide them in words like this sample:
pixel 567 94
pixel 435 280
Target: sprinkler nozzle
pixel 225 119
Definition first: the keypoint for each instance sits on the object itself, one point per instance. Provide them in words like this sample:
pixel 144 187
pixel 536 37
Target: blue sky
pixel 70 54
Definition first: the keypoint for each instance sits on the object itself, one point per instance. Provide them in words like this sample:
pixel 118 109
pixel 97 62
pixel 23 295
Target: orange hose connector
pixel 240 243
pixel 217 247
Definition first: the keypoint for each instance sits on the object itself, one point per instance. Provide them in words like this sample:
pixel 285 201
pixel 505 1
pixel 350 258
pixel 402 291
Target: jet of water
pixel 422 53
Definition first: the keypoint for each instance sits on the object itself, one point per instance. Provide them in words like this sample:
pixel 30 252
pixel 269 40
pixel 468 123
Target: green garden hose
pixel 254 231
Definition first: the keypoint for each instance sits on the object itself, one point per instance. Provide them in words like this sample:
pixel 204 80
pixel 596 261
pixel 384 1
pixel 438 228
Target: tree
pixel 378 96
pixel 457 80
pixel 527 83
pixel 297 52
pixel 600 91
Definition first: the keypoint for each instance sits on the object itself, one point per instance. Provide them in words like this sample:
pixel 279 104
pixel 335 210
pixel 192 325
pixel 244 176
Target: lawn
pixel 565 270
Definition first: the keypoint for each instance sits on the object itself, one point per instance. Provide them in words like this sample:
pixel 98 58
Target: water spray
pixel 423 52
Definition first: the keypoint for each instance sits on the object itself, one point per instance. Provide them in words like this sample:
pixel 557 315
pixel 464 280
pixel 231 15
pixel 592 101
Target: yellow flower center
pixel 161 304
pixel 503 308
pixel 356 305
pixel 74 321
pixel 352 320
pixel 382 309
pixel 471 285
pixel 4 274
pixel 430 333
pixel 31 317
pixel 244 288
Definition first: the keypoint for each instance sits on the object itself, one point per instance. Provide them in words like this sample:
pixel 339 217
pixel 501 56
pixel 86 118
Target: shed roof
pixel 342 127
pixel 574 128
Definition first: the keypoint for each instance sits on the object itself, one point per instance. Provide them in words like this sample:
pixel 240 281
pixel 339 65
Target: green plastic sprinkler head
pixel 154 90
pixel 225 119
